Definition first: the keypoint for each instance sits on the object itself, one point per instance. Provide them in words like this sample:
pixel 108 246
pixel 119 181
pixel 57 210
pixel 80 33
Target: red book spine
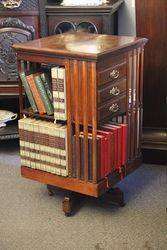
pixel 107 151
pixel 103 161
pixel 108 127
pixel 124 143
pixel 119 145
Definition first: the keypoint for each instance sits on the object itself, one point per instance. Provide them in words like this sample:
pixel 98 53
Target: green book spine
pixel 28 92
pixel 47 86
pixel 48 105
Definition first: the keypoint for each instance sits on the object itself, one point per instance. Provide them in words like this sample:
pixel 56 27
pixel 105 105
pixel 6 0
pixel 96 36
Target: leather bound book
pixel 74 172
pixel 36 95
pixel 54 76
pixel 62 93
pixel 108 127
pixel 47 84
pixel 124 128
pixel 107 135
pixel 43 93
pixel 119 146
pixel 28 92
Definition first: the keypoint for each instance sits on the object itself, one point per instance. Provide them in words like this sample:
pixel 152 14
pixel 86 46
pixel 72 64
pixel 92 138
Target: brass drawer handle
pixel 114 107
pixel 114 74
pixel 114 91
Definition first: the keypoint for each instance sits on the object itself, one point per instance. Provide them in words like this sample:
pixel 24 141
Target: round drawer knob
pixel 114 74
pixel 114 107
pixel 114 91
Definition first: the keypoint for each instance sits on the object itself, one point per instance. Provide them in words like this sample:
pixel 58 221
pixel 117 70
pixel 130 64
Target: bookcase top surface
pixel 82 45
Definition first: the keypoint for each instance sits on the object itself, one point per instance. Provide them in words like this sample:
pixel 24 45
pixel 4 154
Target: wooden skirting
pixel 154 138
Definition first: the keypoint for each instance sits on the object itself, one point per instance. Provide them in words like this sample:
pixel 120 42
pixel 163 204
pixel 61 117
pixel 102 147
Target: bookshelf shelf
pixel 29 113
pixel 102 85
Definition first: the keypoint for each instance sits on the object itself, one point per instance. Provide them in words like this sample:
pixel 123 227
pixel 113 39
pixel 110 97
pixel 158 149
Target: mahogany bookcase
pixel 91 61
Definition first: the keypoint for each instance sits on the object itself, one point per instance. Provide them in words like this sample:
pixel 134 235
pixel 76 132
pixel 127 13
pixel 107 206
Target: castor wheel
pixel 50 190
pixel 68 214
pixel 114 196
pixel 122 204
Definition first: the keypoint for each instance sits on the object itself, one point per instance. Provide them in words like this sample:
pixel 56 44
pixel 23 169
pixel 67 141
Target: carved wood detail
pixel 12 30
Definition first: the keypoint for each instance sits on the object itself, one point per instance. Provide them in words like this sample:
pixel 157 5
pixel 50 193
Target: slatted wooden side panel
pixel 141 65
pixel 81 87
pixel 134 102
pixel 69 117
pixel 129 99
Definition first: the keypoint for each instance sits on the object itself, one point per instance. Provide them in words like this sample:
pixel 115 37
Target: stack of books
pixel 111 150
pixel 39 92
pixel 43 146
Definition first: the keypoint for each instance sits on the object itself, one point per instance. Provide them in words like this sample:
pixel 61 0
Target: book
pixel 59 93
pixel 47 84
pixel 36 95
pixel 28 92
pixel 124 128
pixel 44 96
pixel 54 76
pixel 119 143
pixel 108 127
pixel 61 81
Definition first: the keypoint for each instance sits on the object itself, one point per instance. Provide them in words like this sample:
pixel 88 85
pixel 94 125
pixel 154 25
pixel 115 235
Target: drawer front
pixel 112 90
pixel 112 108
pixel 113 73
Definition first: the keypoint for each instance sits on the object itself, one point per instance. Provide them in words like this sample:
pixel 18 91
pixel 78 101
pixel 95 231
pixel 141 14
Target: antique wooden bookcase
pixel 91 60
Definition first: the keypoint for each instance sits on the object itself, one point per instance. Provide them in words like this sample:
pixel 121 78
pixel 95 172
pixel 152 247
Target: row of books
pixel 38 91
pixel 111 150
pixel 43 146
pixel 46 96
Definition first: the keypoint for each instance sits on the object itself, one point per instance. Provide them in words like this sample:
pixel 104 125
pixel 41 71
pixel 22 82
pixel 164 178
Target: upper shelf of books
pixel 45 92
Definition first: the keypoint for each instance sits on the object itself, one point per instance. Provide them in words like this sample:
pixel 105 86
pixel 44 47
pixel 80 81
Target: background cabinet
pixel 151 23
pixel 99 19
pixel 17 25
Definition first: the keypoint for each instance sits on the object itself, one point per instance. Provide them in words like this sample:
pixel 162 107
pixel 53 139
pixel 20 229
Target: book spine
pixel 62 93
pixel 82 156
pixel 99 159
pixel 54 72
pixel 28 92
pixel 44 96
pixel 47 85
pixel 74 172
pixel 90 160
pixel 36 95
pixel 124 143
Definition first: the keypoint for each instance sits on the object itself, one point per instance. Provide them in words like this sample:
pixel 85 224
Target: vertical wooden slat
pixel 137 103
pixel 129 100
pixel 85 117
pixel 133 87
pixel 94 119
pixel 69 118
pixel 141 96
pixel 76 116
pixel 20 87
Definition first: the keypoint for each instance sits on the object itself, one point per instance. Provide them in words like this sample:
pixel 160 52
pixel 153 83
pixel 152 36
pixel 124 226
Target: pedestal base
pixel 72 199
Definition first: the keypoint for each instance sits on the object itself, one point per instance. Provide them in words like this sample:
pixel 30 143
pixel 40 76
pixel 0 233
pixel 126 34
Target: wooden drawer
pixel 113 73
pixel 112 108
pixel 112 90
